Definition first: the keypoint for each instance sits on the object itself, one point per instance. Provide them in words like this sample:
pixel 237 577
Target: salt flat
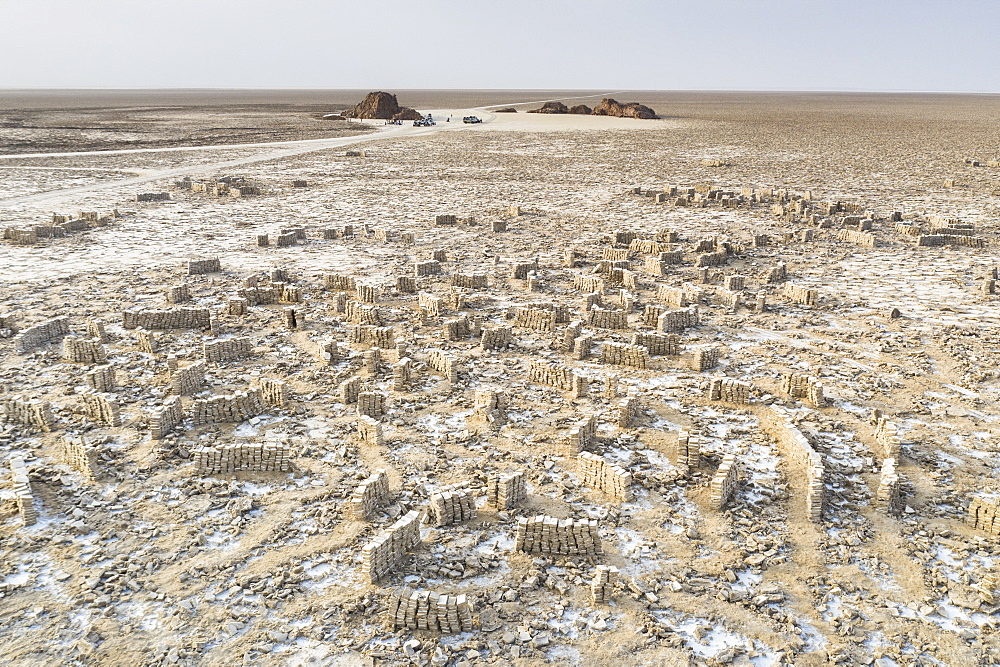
pixel 161 560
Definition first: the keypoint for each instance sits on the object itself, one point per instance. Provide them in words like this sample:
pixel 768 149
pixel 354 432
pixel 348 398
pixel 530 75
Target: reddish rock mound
pixel 406 113
pixel 381 105
pixel 607 107
pixel 610 107
pixel 552 107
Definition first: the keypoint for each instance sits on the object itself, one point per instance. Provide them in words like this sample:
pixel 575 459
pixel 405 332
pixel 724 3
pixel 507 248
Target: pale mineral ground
pixel 304 403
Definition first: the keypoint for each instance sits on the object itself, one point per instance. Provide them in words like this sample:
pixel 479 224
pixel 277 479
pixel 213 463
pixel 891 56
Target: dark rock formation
pixel 405 113
pixel 610 107
pixel 607 107
pixel 507 110
pixel 552 107
pixel 381 105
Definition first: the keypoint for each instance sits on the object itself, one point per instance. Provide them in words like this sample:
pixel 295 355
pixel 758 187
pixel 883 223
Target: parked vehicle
pixel 472 119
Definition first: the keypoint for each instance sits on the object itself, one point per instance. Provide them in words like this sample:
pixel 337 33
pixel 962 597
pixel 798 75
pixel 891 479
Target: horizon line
pixel 635 90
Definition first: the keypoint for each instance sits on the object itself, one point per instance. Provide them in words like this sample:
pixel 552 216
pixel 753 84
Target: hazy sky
pixel 551 44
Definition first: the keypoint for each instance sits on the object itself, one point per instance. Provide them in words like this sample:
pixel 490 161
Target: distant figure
pixel 449 119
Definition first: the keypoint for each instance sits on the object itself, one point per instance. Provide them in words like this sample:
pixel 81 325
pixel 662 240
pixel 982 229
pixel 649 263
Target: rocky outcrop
pixel 607 107
pixel 552 107
pixel 610 107
pixel 507 110
pixel 405 113
pixel 383 106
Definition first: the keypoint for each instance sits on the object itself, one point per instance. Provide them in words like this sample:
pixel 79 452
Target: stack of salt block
pixel 989 588
pixel 572 331
pixel 582 436
pixel 33 412
pixel 102 408
pixel 371 335
pixel 607 319
pixel 603 585
pixel 729 390
pixel 22 491
pixel 370 430
pixel 367 293
pixel 580 349
pixel 237 306
pixel 370 495
pixel 371 404
pixel 425 610
pixel 457 329
pixel 589 284
pixel 520 270
pixel 685 452
pixel 490 406
pixel 428 268
pixel 178 293
pixel 406 284
pixel 165 419
pixel 623 354
pixel 102 378
pixel 711 259
pixel 444 364
pixel 495 338
pixel 167 318
pixel 402 372
pixel 380 556
pixel 888 497
pixel 256 457
pixel 626 410
pixel 274 392
pixel 473 281
pixel 887 437
pixel 451 507
pixel 349 389
pixel 801 295
pixel 543 372
pixel 983 513
pixel 77 454
pixel 201 266
pixel 675 297
pixel 327 351
pixel 598 474
pixel 811 461
pixel 803 386
pixel 227 349
pixel 146 341
pixel 432 306
pixel 339 282
pixel 734 283
pixel 535 318
pixel 549 535
pixel 865 239
pixel 84 350
pixel 658 344
pixel 41 333
pixel 188 380
pixel 701 359
pixel 506 491
pixel 726 480
pixel 234 408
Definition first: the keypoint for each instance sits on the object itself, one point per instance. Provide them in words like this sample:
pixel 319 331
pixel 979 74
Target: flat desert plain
pixel 715 388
